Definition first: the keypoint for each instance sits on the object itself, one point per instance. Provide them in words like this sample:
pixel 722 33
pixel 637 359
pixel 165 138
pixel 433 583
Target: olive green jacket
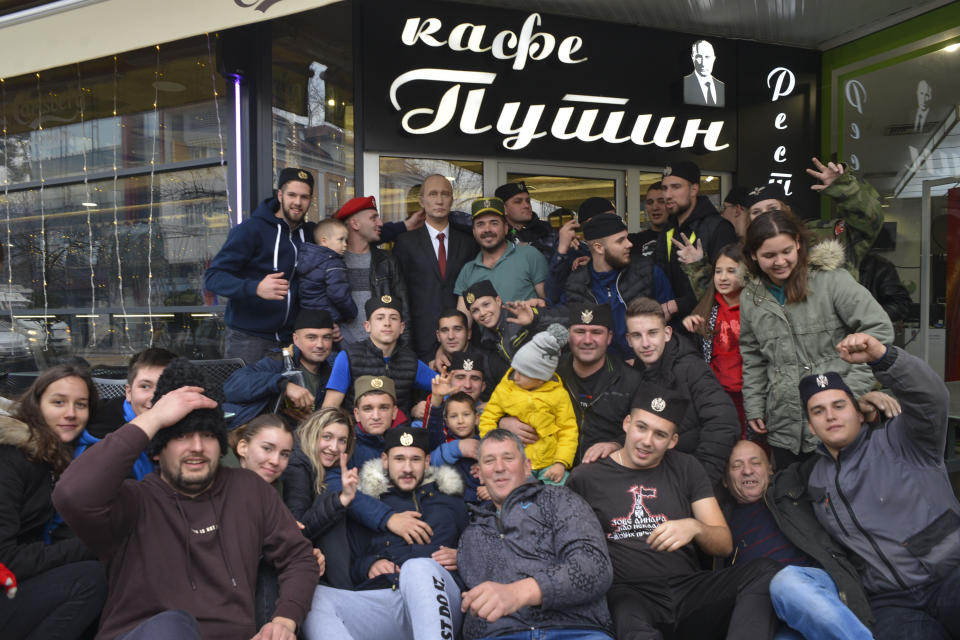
pixel 781 344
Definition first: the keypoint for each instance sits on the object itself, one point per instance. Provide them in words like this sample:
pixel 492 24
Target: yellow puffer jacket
pixel 547 409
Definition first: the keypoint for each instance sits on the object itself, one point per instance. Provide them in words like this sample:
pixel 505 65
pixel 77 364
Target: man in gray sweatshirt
pixel 883 491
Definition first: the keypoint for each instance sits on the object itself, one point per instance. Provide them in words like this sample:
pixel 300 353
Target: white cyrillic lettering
pixel 438 75
pixel 471 111
pixel 785 82
pixel 780 155
pixel 711 135
pixel 473 42
pixel 780 122
pixel 413 30
pixel 502 41
pixel 568 47
pixel 442 116
pixel 526 132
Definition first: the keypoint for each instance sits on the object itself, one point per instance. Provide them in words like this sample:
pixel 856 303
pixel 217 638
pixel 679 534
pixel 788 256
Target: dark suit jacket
pixel 430 295
pixel 692 94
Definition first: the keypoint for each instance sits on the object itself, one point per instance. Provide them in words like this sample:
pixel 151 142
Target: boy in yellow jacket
pixel 532 392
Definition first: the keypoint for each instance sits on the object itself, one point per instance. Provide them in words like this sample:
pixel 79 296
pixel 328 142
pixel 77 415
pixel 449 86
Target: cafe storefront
pixel 123 173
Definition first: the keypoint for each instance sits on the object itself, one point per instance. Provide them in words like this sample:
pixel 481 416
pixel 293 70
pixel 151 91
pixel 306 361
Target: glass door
pixel 557 187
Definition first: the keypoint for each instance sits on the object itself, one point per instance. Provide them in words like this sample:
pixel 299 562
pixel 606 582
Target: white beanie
pixel 539 357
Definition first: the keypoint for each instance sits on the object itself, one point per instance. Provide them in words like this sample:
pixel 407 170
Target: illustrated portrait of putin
pixel 701 87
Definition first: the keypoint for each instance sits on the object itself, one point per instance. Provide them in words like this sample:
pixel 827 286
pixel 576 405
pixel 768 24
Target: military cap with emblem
pixel 815 383
pixel 377 384
pixel 292 173
pixel 465 361
pixel 313 319
pixel 661 401
pixel 507 191
pixel 355 205
pixel 407 437
pixel 482 206
pixel 603 225
pixel 381 302
pixel 478 290
pixel 683 169
pixel 597 315
pixel 769 191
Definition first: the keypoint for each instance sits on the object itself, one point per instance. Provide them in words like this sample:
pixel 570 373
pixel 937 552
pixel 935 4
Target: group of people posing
pixel 503 429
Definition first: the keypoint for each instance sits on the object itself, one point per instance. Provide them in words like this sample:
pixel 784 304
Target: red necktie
pixel 442 256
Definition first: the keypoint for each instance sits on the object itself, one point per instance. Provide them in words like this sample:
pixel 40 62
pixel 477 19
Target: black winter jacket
pixel 438 500
pixel 324 284
pixel 600 418
pixel 251 390
pixel 711 425
pixel 499 345
pixel 26 509
pixel 549 534
pixel 107 418
pixel 635 281
pixel 704 223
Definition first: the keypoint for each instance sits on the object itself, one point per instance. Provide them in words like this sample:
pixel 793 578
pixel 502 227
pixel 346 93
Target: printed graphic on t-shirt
pixel 639 523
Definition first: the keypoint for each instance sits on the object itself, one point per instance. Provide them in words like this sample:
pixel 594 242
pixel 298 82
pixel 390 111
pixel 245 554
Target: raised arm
pixel 92 496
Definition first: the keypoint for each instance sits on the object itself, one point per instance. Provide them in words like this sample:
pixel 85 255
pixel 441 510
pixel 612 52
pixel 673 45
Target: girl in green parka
pixel 798 305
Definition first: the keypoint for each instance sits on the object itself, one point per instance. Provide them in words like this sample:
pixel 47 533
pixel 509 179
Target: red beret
pixel 355 205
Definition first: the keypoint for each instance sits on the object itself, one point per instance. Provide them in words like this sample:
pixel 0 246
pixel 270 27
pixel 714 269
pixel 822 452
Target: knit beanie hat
pixel 539 357
pixel 183 373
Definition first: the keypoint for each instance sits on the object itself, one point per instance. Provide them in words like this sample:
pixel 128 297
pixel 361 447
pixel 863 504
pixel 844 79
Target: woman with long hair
pixel 62 586
pixel 318 486
pixel 798 304
pixel 264 445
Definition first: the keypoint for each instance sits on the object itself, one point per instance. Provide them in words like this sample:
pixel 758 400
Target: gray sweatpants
pixel 425 607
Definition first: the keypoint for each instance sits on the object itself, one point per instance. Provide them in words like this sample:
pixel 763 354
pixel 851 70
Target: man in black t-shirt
pixel 653 504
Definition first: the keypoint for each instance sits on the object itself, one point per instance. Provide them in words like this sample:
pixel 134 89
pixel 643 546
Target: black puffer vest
pixel 367 360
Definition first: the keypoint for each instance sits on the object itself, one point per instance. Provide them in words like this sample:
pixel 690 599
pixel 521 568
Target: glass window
pixel 401 179
pixel 180 81
pixel 899 127
pixel 106 254
pixel 313 101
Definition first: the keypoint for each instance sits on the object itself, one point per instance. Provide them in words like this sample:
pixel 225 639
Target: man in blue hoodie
pixel 255 268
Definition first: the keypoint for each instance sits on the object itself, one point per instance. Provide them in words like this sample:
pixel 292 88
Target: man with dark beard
pixel 182 547
pixel 255 268
pixel 615 277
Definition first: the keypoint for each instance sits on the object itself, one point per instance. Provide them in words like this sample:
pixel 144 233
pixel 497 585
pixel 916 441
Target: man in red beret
pixel 372 272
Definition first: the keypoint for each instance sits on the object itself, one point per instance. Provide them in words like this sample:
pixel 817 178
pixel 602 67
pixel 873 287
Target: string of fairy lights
pixel 43 221
pixel 116 200
pixel 216 109
pixel 153 169
pixel 42 208
pixel 6 201
pixel 86 191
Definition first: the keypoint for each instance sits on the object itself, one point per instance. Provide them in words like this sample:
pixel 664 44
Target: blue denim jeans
pixel 806 599
pixel 555 634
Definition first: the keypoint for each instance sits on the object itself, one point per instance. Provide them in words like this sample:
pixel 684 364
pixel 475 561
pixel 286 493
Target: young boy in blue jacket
pixel 323 273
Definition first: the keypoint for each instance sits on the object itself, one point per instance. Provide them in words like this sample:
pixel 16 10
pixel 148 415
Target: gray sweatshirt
pixel 887 496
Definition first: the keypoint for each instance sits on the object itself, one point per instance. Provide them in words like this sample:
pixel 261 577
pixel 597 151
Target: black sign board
pixel 447 78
